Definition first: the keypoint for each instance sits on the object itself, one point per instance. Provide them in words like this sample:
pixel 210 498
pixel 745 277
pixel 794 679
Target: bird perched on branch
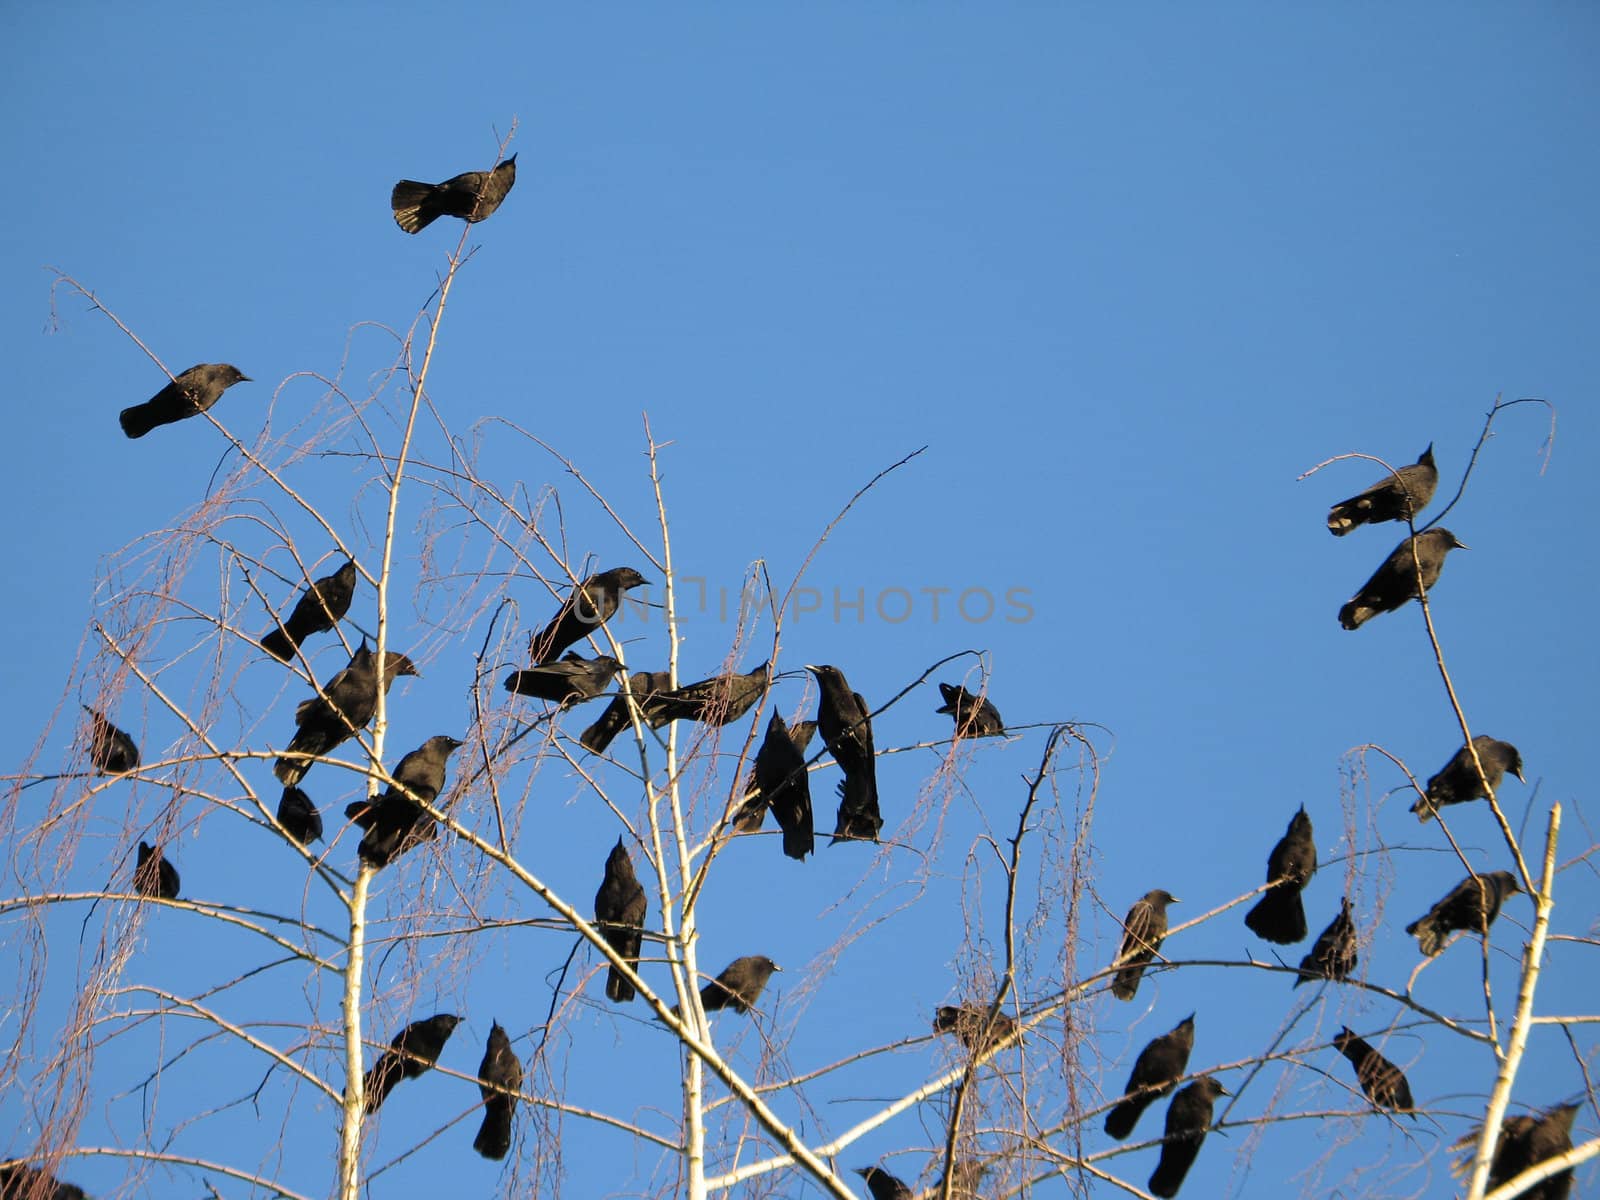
pixel 1279 916
pixel 619 909
pixel 1459 781
pixel 739 985
pixel 780 781
pixel 1383 1082
pixel 346 704
pixel 1333 956
pixel 845 721
pixel 1398 497
pixel 319 608
pixel 1396 581
pixel 396 821
pixel 590 605
pixel 153 875
pixel 1188 1119
pixel 974 1025
pixel 715 701
pixel 882 1185
pixel 570 681
pixel 414 1050
pixel 188 395
pixel 499 1081
pixel 1471 905
pixel 974 715
pixel 643 686
pixel 1525 1141
pixel 112 751
pixel 1143 931
pixel 1155 1073
pixel 299 816
pixel 472 196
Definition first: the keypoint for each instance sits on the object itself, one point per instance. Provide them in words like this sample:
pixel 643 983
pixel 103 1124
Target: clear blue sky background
pixel 1126 275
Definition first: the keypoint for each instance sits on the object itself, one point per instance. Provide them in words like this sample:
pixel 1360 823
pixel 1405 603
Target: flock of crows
pixel 397 820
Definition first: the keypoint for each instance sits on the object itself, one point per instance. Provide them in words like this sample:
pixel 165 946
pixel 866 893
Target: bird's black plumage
pixel 153 875
pixel 396 821
pixel 569 681
pixel 884 1186
pixel 188 395
pixel 471 196
pixel 299 816
pixel 111 750
pixel 1525 1141
pixel 1333 955
pixel 739 985
pixel 1458 780
pixel 845 721
pixel 1279 916
pixel 644 687
pixel 619 909
pixel 1472 905
pixel 319 608
pixel 715 701
pixel 499 1073
pixel 1188 1118
pixel 974 716
pixel 1155 1073
pixel 1395 582
pixel 412 1051
pixel 1398 496
pixel 1383 1082
pixel 18 1181
pixel 1143 930
pixel 780 782
pixel 590 605
pixel 346 704
pixel 974 1025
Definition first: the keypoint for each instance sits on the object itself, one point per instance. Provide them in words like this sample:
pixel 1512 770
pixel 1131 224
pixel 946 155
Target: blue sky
pixel 1126 275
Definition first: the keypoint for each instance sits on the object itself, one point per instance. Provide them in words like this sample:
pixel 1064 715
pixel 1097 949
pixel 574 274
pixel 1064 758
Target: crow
pixel 472 196
pixel 570 681
pixel 974 1025
pixel 974 715
pixel 1399 497
pixel 1459 780
pixel 1333 956
pixel 499 1080
pixel 1279 915
pixel 715 701
pixel 1188 1118
pixel 346 704
pixel 1155 1073
pixel 780 781
pixel 320 607
pixel 1396 581
pixel 644 686
pixel 1383 1082
pixel 188 395
pixel 413 1050
pixel 396 821
pixel 884 1186
pixel 1143 930
pixel 1525 1141
pixel 112 751
pixel 18 1181
pixel 591 604
pixel 739 985
pixel 299 816
pixel 1472 905
pixel 153 875
pixel 845 722
pixel 619 908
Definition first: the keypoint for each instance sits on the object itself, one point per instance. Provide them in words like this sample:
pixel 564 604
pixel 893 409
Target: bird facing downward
pixel 471 196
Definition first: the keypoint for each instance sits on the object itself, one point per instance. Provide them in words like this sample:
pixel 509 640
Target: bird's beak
pixel 245 379
pixel 776 967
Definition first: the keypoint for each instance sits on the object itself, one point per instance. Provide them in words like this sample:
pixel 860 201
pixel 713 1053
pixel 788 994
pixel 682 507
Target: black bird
pixel 883 1185
pixel 619 909
pixel 1155 1073
pixel 1143 930
pixel 412 1051
pixel 472 196
pixel 320 607
pixel 396 821
pixel 188 395
pixel 18 1181
pixel 780 781
pixel 975 1027
pixel 153 875
pixel 715 701
pixel 1395 581
pixel 1397 497
pixel 1472 904
pixel 974 715
pixel 299 816
pixel 1459 781
pixel 1188 1118
pixel 1333 956
pixel 1383 1082
pixel 739 985
pixel 644 687
pixel 112 751
pixel 1525 1141
pixel 346 704
pixel 845 721
pixel 591 604
pixel 1279 915
pixel 499 1073
pixel 571 680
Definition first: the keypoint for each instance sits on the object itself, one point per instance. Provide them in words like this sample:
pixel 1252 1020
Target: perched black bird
pixel 644 687
pixel 110 749
pixel 591 604
pixel 345 706
pixel 1155 1073
pixel 299 816
pixel 715 701
pixel 320 607
pixel 499 1073
pixel 1395 581
pixel 1279 915
pixel 1472 904
pixel 1333 956
pixel 472 196
pixel 1397 497
pixel 396 821
pixel 1188 1118
pixel 974 715
pixel 975 1027
pixel 18 1181
pixel 1142 932
pixel 412 1051
pixel 571 680
pixel 780 781
pixel 740 984
pixel 845 721
pixel 883 1185
pixel 189 395
pixel 619 908
pixel 153 875
pixel 1383 1082
pixel 1459 781
pixel 1525 1141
